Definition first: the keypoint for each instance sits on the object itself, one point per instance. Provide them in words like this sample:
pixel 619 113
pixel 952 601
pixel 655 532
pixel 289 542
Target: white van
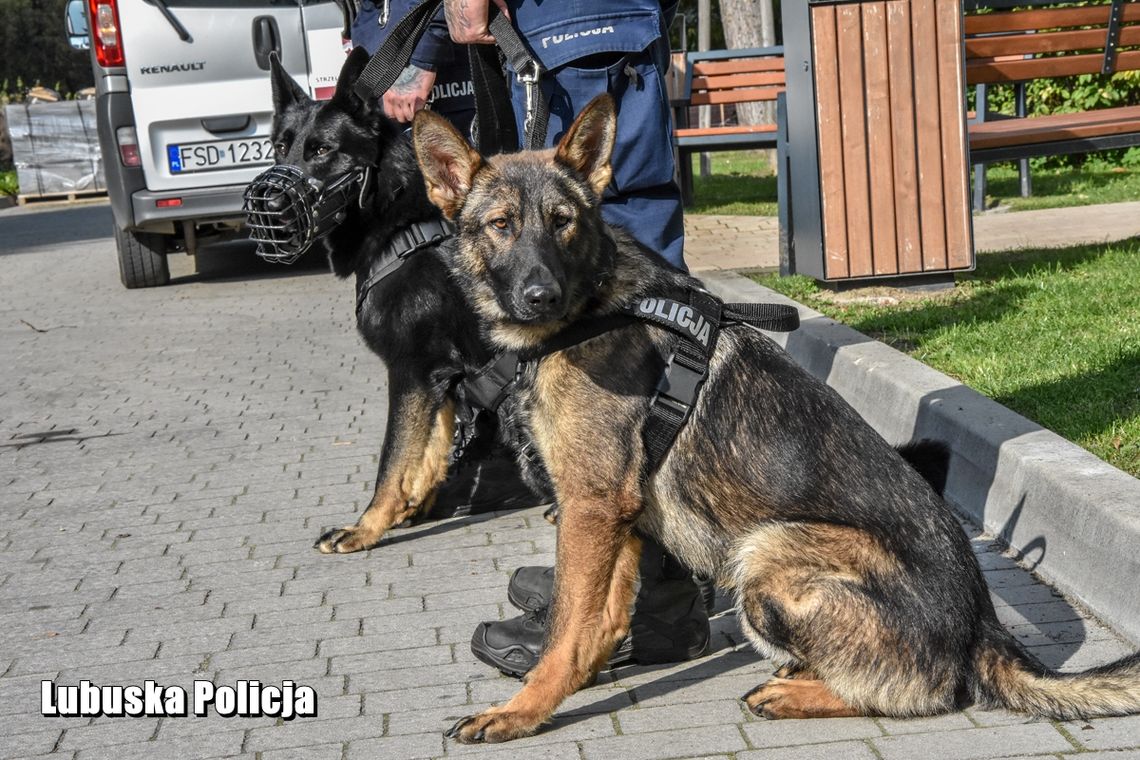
pixel 184 109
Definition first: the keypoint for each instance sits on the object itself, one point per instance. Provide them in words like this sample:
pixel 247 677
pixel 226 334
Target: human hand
pixel 467 20
pixel 408 94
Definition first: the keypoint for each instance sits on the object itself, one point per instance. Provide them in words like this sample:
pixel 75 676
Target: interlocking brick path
pixel 167 458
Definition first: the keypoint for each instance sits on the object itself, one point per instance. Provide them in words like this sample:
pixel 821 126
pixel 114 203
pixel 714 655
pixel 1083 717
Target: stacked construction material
pixel 55 148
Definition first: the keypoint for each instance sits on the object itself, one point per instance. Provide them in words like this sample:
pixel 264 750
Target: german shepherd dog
pixel 850 573
pixel 416 320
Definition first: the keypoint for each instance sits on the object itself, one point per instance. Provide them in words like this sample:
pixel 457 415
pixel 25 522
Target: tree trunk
pixel 749 23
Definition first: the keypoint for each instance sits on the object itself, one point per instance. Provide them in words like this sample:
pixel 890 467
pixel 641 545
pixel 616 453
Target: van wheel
pixel 142 258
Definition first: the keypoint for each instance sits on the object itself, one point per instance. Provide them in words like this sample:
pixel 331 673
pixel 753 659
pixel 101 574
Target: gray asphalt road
pixel 167 457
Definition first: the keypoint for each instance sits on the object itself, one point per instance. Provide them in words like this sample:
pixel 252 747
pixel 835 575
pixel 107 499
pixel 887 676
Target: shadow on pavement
pixel 35 227
pixel 237 260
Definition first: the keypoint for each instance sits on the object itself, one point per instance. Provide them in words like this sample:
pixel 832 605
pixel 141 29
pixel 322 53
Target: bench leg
pixel 685 170
pixel 1026 178
pixel 979 187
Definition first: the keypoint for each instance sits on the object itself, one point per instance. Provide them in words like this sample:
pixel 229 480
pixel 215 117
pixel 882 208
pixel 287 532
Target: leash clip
pixel 529 76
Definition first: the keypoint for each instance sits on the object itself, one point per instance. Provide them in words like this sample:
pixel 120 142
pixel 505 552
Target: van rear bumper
pixel 206 204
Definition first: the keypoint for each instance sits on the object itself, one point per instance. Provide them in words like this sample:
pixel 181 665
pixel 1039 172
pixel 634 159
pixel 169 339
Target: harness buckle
pixel 678 386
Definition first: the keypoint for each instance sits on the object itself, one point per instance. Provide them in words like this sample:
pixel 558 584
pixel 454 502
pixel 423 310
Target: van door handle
pixel 266 40
pixel 226 124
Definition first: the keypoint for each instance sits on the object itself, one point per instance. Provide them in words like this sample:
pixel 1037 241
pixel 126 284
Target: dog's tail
pixel 1007 676
pixel 931 459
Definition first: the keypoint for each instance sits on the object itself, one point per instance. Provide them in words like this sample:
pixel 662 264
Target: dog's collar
pixel 404 242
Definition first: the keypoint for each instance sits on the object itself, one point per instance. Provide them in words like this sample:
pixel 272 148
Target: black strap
pixel 387 63
pixel 529 71
pixel 773 317
pixel 685 374
pixel 697 320
pixel 487 387
pixel 494 129
pixel 403 243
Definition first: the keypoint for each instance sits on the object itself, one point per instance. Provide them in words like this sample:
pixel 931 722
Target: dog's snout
pixel 543 295
pixel 276 202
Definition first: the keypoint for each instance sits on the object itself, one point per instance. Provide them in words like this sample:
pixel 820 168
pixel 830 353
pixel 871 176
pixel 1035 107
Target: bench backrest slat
pixel 1047 18
pixel 741 66
pixel 734 81
pixel 1047 42
pixel 745 95
pixel 990 72
pixel 1036 43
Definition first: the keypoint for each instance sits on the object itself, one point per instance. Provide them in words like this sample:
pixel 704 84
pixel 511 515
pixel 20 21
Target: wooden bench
pixel 724 77
pixel 1016 46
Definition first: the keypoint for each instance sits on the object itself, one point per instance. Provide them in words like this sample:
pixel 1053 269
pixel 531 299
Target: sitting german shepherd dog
pixel 415 319
pixel 849 571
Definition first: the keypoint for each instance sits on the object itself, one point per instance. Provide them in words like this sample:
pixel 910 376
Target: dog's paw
pixel 345 540
pixel 492 726
pixel 765 700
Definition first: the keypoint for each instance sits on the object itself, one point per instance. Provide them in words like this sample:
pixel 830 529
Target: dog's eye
pixel 561 220
pixel 323 150
pixel 281 148
pixel 499 223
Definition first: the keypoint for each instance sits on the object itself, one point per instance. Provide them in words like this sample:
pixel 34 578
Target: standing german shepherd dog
pixel 416 320
pixel 849 571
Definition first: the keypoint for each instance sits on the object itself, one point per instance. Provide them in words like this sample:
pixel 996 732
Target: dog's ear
pixel 286 91
pixel 346 80
pixel 587 145
pixel 449 164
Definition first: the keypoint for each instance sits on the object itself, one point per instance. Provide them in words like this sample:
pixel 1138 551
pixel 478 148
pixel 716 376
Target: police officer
pixel 439 72
pixel 589 47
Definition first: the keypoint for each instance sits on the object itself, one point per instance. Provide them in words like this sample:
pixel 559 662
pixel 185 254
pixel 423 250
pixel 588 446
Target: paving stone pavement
pixel 167 458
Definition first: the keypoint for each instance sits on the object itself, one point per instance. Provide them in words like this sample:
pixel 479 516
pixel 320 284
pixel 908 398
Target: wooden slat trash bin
pixel 875 162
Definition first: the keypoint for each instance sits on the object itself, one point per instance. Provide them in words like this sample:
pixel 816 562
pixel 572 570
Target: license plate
pixel 219 154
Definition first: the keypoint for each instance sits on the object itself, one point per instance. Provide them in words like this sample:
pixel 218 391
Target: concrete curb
pixel 1074 519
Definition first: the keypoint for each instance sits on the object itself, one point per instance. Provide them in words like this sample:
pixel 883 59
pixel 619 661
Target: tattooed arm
pixel 408 94
pixel 467 20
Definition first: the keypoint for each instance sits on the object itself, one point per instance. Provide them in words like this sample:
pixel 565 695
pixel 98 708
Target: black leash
pixel 400 247
pixel 495 130
pixel 387 63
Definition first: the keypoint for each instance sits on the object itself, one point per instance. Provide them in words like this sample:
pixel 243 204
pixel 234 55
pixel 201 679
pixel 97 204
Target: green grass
pixel 1095 182
pixel 1052 334
pixel 741 184
pixel 8 184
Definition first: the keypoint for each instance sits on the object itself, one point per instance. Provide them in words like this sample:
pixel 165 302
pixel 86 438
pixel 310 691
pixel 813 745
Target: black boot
pixel 668 622
pixel 482 474
pixel 532 587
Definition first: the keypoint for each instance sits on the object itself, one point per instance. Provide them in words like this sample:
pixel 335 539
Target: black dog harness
pixel 697 320
pixel 403 243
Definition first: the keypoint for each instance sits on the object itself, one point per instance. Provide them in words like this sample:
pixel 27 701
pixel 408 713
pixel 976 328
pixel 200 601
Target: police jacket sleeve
pixel 435 48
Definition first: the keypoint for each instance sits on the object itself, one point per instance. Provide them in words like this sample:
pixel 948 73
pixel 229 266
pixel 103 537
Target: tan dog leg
pixel 415 451
pixel 597 564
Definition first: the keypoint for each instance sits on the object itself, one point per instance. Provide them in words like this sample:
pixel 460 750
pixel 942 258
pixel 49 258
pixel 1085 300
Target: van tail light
pixel 128 146
pixel 105 32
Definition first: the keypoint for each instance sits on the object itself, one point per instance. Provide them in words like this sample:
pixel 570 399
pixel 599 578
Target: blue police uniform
pixel 452 95
pixel 621 47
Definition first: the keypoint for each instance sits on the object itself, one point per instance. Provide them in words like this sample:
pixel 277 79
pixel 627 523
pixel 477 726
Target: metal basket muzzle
pixel 287 210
